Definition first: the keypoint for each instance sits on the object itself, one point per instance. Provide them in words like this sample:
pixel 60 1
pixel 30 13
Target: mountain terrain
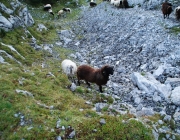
pixel 138 42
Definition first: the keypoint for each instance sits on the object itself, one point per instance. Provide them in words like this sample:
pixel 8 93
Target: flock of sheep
pixel 99 76
pixel 87 73
pixel 117 3
pixel 84 72
pixel 167 10
pixel 48 8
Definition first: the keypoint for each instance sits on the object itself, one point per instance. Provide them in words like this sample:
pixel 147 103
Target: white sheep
pixel 177 12
pixel 67 10
pixel 69 68
pixel 112 2
pixel 116 3
pixel 47 7
pixel 60 13
pixel 92 3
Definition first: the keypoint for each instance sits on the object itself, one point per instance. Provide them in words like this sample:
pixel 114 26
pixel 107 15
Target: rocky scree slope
pixel 144 51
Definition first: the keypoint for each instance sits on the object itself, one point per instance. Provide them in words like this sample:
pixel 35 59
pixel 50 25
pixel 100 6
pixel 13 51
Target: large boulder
pixel 5 24
pixel 26 17
pixel 15 17
pixel 150 85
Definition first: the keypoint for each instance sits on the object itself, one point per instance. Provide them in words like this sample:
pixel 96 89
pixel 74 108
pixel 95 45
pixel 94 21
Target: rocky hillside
pixel 16 15
pixel 144 49
pixel 141 45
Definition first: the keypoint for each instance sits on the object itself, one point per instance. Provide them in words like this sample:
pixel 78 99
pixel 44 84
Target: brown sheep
pixel 166 9
pixel 98 76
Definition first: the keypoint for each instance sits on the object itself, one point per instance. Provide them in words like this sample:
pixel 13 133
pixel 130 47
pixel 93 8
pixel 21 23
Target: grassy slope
pixel 40 122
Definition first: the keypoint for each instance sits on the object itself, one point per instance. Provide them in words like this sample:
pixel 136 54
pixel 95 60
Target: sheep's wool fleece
pixel 66 64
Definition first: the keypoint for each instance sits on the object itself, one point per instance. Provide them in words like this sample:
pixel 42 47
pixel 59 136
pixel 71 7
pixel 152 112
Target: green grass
pixel 175 30
pixel 6 3
pixel 48 91
pixel 114 129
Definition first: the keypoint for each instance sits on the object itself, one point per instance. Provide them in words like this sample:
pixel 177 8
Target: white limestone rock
pixel 175 96
pixel 150 85
pixel 5 24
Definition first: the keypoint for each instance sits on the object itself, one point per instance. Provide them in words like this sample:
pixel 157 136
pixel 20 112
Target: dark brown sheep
pixel 177 12
pixel 98 76
pixel 166 9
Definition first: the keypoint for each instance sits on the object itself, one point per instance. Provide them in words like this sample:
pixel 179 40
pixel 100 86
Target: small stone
pixel 102 121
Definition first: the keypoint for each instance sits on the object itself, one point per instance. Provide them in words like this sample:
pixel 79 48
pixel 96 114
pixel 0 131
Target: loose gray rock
pixel 73 87
pixel 102 121
pixel 175 97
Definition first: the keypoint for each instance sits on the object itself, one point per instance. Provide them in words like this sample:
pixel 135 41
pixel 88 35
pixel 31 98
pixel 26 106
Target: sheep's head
pixel 107 70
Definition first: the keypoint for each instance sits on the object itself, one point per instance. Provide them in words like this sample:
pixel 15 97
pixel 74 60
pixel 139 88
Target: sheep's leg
pixel 100 88
pixel 73 79
pixel 70 78
pixel 78 82
pixel 87 83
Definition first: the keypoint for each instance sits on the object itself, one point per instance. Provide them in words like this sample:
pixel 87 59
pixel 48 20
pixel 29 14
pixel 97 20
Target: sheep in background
pixel 125 4
pixel 67 10
pixel 47 7
pixel 51 12
pixel 116 3
pixel 98 76
pixel 69 68
pixel 166 9
pixel 92 3
pixel 60 13
pixel 177 12
pixel 112 1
